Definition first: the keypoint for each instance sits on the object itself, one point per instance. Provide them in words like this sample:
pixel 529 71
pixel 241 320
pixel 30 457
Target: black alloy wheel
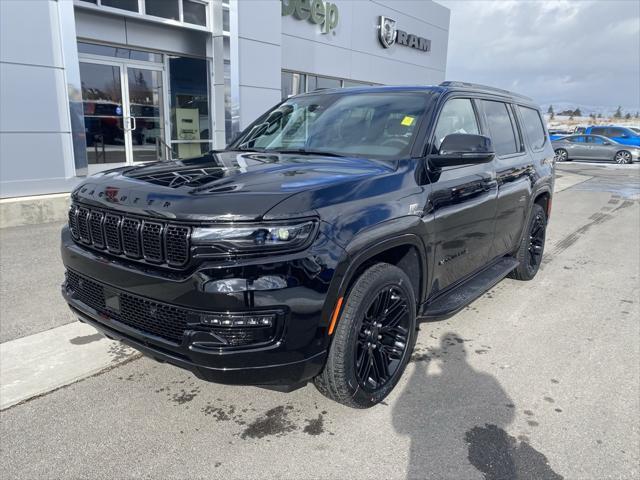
pixel 383 338
pixel 373 338
pixel 536 240
pixel 531 248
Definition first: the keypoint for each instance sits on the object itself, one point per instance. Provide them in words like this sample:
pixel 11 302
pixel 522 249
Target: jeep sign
pixel 321 13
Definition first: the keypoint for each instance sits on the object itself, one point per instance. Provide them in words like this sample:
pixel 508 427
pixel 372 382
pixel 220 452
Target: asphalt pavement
pixel 534 380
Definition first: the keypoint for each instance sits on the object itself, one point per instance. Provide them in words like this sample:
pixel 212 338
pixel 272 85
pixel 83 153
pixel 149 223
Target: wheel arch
pixel 406 251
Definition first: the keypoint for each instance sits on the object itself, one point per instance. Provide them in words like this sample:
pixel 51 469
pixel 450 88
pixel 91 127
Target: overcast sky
pixel 587 52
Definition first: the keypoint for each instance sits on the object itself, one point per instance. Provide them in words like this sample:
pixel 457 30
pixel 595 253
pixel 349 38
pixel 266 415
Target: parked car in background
pixel 594 147
pixel 622 135
pixel 556 133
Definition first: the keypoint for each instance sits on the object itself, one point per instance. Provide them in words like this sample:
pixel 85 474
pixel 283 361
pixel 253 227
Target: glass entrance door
pixel 103 102
pixel 123 113
pixel 146 124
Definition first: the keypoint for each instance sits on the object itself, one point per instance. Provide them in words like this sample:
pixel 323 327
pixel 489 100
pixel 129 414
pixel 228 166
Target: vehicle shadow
pixel 455 417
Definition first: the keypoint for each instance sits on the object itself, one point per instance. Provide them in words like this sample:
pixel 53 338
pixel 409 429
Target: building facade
pixel 87 85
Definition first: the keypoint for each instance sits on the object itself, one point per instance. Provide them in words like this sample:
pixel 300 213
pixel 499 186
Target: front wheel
pixel 374 338
pixel 622 157
pixel 562 155
pixel 531 247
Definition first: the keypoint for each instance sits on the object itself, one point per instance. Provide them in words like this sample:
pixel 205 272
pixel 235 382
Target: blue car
pixel 622 135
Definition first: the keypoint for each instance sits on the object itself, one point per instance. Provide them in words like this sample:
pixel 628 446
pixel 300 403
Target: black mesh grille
pixel 152 241
pixel 112 233
pixel 159 319
pixel 73 222
pixel 177 241
pixel 162 320
pixel 83 224
pixel 95 225
pixel 88 292
pixel 131 237
pixel 137 238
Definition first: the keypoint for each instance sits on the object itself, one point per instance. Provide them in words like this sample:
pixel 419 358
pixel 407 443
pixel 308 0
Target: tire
pixel 562 155
pixel 622 157
pixel 365 338
pixel 531 247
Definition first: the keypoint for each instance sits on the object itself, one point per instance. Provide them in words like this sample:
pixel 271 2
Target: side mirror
pixel 463 149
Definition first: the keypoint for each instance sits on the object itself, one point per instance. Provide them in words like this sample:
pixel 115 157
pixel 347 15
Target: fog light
pixel 237 321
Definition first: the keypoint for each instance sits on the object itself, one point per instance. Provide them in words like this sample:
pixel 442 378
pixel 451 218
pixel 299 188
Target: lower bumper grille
pixel 162 320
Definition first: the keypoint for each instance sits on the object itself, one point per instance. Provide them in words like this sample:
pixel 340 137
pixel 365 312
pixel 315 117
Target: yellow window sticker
pixel 408 120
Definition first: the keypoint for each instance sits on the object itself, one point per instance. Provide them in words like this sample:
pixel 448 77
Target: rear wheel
pixel 622 157
pixel 562 155
pixel 531 248
pixel 374 338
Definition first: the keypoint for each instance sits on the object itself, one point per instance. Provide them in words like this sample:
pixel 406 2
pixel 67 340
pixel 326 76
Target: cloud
pixel 586 52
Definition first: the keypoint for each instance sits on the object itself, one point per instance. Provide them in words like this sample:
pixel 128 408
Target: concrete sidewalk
pixel 40 363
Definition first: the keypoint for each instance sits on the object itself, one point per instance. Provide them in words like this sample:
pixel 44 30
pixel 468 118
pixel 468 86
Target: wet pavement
pixel 534 380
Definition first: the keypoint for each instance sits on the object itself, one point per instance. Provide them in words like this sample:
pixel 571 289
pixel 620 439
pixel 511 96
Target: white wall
pixel 353 51
pixel 267 43
pixel 35 130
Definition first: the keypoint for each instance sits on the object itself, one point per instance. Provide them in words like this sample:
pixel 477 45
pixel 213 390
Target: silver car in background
pixel 594 147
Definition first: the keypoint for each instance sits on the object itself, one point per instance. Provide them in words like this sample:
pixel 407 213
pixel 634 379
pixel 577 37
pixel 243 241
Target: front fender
pixel 369 243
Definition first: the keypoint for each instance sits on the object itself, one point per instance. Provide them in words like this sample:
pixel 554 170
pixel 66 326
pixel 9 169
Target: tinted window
pixel 457 116
pixel 599 131
pixel 500 127
pixel 533 127
pixel 375 125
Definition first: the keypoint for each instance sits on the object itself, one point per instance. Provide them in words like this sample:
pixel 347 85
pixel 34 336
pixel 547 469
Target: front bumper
pixel 295 354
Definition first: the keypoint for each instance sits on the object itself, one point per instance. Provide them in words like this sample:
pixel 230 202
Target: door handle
pixel 135 123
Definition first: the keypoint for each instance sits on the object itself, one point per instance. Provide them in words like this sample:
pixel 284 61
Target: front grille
pixel 135 238
pixel 159 319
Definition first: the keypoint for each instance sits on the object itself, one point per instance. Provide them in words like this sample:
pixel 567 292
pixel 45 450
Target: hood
pixel 228 185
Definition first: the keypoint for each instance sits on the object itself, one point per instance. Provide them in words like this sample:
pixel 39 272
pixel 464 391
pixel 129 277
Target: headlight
pixel 255 238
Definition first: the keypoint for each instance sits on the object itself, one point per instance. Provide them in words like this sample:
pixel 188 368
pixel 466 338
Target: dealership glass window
pixel 164 8
pixel 129 5
pixel 194 12
pixel 189 106
pixel 294 83
pixel 118 52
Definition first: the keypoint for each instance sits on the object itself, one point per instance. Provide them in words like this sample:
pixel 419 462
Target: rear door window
pixel 599 131
pixel 577 139
pixel 501 129
pixel 533 126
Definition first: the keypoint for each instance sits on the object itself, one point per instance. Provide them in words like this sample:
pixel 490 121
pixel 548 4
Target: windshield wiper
pixel 302 151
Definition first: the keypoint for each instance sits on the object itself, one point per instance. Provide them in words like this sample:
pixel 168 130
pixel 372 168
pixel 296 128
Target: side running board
pixel 462 295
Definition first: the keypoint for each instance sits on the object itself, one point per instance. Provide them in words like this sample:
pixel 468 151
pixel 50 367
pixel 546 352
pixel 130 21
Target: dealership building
pixel 87 85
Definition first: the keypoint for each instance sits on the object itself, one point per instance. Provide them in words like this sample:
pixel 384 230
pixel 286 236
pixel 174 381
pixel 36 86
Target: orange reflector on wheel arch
pixel 334 317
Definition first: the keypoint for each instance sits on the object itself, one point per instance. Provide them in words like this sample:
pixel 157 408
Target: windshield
pixel 377 125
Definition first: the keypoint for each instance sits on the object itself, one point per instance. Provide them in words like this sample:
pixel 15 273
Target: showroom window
pixel 191 12
pixel 294 83
pixel 189 106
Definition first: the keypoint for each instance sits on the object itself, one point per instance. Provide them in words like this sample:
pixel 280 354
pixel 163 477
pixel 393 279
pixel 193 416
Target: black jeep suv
pixel 308 248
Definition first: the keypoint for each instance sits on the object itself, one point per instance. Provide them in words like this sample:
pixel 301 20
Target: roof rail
pixel 483 87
